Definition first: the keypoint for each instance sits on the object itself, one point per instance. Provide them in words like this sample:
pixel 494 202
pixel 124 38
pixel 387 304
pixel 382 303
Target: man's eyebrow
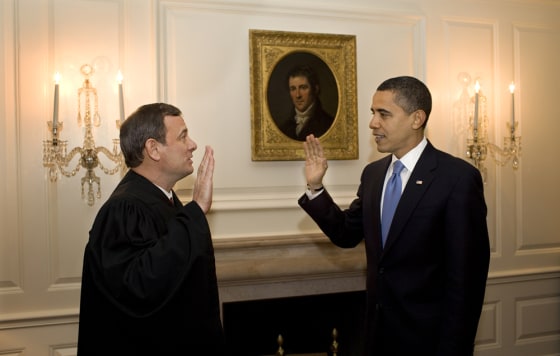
pixel 381 111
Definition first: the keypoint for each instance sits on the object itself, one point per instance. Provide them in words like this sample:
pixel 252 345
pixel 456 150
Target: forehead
pixel 383 98
pixel 299 79
pixel 174 124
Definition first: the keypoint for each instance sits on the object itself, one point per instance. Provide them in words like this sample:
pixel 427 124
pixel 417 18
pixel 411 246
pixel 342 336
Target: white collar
pixel 410 159
pixel 169 194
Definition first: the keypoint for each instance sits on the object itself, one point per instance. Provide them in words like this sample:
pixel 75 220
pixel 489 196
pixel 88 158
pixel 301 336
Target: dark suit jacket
pixel 426 288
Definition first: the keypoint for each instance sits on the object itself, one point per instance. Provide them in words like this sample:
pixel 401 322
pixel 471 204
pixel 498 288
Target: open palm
pixel 315 162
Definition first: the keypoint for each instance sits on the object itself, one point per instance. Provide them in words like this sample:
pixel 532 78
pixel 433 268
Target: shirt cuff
pixel 312 194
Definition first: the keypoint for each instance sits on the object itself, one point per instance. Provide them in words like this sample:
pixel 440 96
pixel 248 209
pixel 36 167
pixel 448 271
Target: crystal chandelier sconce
pixel 478 146
pixel 56 157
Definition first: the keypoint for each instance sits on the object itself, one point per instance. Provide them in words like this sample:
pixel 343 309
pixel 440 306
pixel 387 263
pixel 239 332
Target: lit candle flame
pixel 119 77
pixel 511 87
pixel 477 87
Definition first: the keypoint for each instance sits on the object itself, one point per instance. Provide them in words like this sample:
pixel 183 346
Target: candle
pixel 512 89
pixel 55 110
pixel 121 99
pixel 476 89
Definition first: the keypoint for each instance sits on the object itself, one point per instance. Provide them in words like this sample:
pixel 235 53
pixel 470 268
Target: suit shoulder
pixel 455 161
pixel 455 165
pixel 381 163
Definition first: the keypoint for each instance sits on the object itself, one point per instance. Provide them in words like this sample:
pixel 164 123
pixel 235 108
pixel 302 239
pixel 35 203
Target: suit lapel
pixel 419 181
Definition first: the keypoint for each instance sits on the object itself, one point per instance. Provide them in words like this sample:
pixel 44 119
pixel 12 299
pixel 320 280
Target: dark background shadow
pixel 305 323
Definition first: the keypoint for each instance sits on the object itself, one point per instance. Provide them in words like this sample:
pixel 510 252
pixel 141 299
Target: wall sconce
pixel 56 157
pixel 478 146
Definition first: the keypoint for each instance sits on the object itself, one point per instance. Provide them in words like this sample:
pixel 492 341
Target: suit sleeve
pixel 343 228
pixel 468 255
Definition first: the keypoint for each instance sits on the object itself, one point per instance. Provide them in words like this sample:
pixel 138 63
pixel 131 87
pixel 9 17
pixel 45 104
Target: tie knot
pixel 300 119
pixel 397 167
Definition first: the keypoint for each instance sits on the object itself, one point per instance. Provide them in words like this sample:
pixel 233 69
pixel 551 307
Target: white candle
pixel 476 89
pixel 55 110
pixel 121 99
pixel 512 89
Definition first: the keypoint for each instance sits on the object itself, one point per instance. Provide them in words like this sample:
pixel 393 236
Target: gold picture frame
pixel 333 56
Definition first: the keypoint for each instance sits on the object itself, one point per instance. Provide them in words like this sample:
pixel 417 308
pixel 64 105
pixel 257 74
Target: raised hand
pixel 204 183
pixel 315 162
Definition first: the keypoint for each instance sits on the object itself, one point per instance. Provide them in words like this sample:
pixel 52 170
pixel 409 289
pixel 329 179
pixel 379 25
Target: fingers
pixel 318 148
pixel 203 186
pixel 206 167
pixel 306 148
pixel 315 161
pixel 313 149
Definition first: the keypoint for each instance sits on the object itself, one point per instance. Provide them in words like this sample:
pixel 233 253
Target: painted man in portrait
pixel 308 116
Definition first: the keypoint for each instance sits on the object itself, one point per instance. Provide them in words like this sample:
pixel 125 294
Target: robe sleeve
pixel 140 259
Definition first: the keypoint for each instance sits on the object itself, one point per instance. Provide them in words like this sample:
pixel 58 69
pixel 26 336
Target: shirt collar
pixel 169 194
pixel 410 159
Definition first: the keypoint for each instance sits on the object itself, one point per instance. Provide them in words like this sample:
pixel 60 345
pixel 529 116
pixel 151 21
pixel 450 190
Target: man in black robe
pixel 149 280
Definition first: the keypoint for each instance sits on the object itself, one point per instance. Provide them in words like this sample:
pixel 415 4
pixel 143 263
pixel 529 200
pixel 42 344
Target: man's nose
pixel 193 145
pixel 374 122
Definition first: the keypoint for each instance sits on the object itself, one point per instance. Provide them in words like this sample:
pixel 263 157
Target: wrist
pixel 315 188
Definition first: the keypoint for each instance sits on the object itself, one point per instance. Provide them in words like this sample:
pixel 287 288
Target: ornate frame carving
pixel 338 52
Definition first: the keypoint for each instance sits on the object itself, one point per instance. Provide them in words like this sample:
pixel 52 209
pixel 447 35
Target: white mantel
pixel 276 267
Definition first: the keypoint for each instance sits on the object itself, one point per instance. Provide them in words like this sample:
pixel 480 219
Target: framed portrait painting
pixel 302 83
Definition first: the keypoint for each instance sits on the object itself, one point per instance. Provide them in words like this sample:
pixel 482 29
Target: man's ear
pixel 152 149
pixel 419 119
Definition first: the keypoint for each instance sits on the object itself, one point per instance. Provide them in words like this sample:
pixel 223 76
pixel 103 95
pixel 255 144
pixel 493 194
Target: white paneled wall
pixel 195 54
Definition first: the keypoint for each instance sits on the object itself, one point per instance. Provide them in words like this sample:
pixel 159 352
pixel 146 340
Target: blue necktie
pixel 391 199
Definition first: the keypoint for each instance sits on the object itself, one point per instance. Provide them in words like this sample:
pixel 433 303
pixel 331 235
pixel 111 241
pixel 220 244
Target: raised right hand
pixel 315 162
pixel 204 184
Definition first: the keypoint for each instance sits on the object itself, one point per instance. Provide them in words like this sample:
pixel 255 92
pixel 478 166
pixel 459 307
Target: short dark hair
pixel 410 93
pixel 145 123
pixel 307 72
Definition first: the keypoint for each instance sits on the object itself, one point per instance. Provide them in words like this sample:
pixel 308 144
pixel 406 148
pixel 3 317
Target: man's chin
pixel 381 148
pixel 187 172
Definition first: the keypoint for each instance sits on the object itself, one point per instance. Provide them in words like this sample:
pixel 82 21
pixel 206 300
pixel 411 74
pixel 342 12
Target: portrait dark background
pixel 278 96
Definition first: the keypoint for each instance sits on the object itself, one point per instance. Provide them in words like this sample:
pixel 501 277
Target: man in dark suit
pixel 308 117
pixel 426 282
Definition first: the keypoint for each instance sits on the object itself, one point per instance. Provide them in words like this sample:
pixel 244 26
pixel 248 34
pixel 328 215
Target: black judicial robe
pixel 149 279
